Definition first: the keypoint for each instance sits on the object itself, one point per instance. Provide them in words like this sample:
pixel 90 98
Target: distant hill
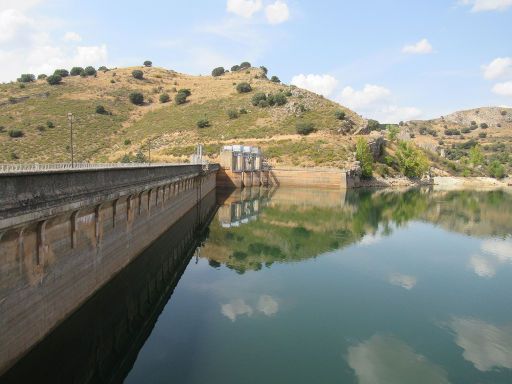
pixel 39 111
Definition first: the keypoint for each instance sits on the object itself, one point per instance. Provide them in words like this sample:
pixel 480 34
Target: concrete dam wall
pixel 63 235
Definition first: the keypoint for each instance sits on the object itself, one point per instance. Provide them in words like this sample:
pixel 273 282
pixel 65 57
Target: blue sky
pixel 389 60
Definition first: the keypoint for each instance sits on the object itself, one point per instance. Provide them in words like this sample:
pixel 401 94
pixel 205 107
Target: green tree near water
pixel 365 158
pixel 476 156
pixel 411 160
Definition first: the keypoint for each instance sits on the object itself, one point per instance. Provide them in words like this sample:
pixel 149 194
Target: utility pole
pixel 70 121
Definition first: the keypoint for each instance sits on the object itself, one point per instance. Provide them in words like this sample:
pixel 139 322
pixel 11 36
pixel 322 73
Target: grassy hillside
pixel 39 110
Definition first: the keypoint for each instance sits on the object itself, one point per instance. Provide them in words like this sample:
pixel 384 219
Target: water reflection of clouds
pixel 493 253
pixel 485 345
pixel 266 304
pixel 386 359
pixel 405 281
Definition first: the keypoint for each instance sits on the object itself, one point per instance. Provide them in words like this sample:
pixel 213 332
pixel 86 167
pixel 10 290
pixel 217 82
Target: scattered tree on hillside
pixel 235 68
pixel 61 72
pixel 243 87
pixel 103 69
pixel 257 97
pixel 365 158
pixel 476 156
pixel 233 114
pixel 393 132
pixel 219 71
pixel 90 71
pixel 148 63
pixel 75 71
pixel 138 74
pixel 305 128
pixel 245 65
pixel 484 126
pixel 26 78
pixel 42 76
pixel 373 125
pixel 275 79
pixel 136 98
pixel 496 170
pixel 203 123
pixel 54 79
pixel 180 98
pixel 411 160
pixel 264 70
pixel 164 98
pixel 100 109
pixel 340 115
pixel 185 91
pixel 15 133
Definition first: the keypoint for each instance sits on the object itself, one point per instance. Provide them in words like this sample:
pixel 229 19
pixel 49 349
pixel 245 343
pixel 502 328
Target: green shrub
pixel 54 79
pixel 288 93
pixel 14 133
pixel 203 123
pixel 411 160
pixel 465 130
pixel 50 124
pixel 270 100
pixel 482 135
pixel 257 97
pixel 164 98
pixel 243 111
pixel 219 71
pixel 264 69
pixel 340 115
pixel 41 128
pixel 503 113
pixel 112 81
pixel 185 91
pixel 365 158
pixel 275 79
pixel 373 125
pixel 41 76
pixel 263 104
pixel 136 98
pixel 233 114
pixel 235 68
pixel 100 109
pixel 496 170
pixel 75 71
pixel 243 87
pixel 451 132
pixel 103 69
pixel 148 63
pixel 26 78
pixel 304 128
pixel 393 132
pixel 83 74
pixel 90 71
pixel 127 142
pixel 473 123
pixel 476 156
pixel 280 99
pixel 138 74
pixel 61 72
pixel 245 65
pixel 22 86
pixel 180 98
pixel 484 126
pixel 423 130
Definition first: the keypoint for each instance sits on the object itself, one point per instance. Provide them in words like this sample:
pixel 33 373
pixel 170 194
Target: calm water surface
pixel 334 287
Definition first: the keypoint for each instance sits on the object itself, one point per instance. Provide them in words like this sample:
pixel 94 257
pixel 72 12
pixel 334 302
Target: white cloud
pixel 72 36
pixel 369 95
pixel 244 8
pixel 386 359
pixel 482 267
pixel 376 102
pixel 321 84
pixel 420 48
pixel 485 345
pixel 503 89
pixel 501 249
pixel 498 68
pixel 268 305
pixel 277 12
pixel 27 46
pixel 236 308
pixel 20 5
pixel 487 5
pixel 405 281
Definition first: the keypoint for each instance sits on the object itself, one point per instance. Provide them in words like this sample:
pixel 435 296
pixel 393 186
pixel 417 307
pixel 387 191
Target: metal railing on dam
pixel 66 233
pixel 51 167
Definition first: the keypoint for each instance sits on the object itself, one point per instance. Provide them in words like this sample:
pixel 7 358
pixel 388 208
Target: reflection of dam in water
pixel 100 341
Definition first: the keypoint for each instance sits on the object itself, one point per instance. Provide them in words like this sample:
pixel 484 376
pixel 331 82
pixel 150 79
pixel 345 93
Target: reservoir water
pixel 305 286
